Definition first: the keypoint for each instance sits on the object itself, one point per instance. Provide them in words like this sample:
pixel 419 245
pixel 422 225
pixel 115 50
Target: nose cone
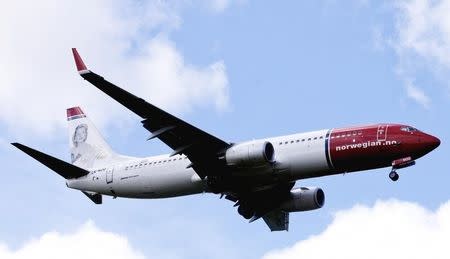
pixel 431 142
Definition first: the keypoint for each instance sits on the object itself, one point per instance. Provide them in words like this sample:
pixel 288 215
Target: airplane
pixel 258 176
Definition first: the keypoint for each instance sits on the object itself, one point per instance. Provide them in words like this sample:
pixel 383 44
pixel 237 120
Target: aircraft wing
pixel 201 148
pixel 265 204
pixel 277 220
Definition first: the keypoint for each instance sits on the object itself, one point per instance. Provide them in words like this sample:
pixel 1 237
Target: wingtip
pixel 17 145
pixel 81 67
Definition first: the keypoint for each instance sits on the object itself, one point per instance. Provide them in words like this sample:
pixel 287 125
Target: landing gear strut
pixel 399 164
pixel 393 175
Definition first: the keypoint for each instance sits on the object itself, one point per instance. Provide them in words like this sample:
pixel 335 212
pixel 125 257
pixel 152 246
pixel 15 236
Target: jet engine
pixel 303 199
pixel 252 153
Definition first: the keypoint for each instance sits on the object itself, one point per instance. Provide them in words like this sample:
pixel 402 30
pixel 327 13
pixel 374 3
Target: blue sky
pixel 250 69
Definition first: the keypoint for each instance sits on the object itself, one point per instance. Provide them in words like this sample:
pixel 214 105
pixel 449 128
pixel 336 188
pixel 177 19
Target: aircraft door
pixel 382 132
pixel 109 175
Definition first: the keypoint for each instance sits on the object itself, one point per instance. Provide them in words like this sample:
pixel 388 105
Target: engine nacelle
pixel 252 153
pixel 303 199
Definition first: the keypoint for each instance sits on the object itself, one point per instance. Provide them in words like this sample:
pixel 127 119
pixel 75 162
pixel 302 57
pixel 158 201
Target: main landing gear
pixel 393 175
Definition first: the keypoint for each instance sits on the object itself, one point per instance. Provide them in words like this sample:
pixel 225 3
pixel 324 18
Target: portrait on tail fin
pixel 81 147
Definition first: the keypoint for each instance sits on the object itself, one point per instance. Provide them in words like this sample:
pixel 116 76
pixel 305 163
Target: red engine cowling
pixel 303 199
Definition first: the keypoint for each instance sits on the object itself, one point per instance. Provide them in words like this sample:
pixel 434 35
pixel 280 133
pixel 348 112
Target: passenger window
pixel 315 138
pixel 298 141
pixel 309 139
pixel 281 143
pixel 292 141
pixel 285 142
pixel 321 137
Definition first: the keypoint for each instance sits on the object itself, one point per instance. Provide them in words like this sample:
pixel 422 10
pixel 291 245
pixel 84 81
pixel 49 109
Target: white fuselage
pixel 298 156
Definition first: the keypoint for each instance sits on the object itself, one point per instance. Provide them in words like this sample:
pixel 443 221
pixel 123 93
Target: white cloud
pixel 423 28
pixel 417 95
pixel 422 42
pixel 176 83
pixel 126 41
pixel 218 6
pixel 87 242
pixel 389 229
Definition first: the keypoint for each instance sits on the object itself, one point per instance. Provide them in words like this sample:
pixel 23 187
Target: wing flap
pixel 277 220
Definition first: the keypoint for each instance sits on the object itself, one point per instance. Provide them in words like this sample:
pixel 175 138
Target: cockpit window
pixel 408 129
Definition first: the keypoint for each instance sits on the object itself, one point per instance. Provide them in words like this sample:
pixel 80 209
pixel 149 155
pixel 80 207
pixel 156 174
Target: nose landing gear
pixel 393 175
pixel 398 164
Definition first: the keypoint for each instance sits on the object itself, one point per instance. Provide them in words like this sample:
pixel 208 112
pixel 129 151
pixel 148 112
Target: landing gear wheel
pixel 393 175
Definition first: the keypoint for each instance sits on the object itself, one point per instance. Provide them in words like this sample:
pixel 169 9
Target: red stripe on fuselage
pixel 372 146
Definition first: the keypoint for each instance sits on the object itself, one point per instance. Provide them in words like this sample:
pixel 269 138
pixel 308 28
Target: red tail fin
pixel 75 113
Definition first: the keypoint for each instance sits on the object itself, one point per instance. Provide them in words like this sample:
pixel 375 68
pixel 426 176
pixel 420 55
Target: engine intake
pixel 303 199
pixel 253 153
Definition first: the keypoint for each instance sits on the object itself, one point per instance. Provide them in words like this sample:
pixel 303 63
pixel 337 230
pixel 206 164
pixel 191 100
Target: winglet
pixel 81 67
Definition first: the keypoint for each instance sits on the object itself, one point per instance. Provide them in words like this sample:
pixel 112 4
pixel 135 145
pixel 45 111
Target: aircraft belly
pixel 147 182
pixel 176 183
pixel 309 160
pixel 132 183
pixel 159 182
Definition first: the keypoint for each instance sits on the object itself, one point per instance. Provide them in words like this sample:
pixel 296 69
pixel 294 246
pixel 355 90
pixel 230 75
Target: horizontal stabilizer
pixel 66 170
pixel 95 197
